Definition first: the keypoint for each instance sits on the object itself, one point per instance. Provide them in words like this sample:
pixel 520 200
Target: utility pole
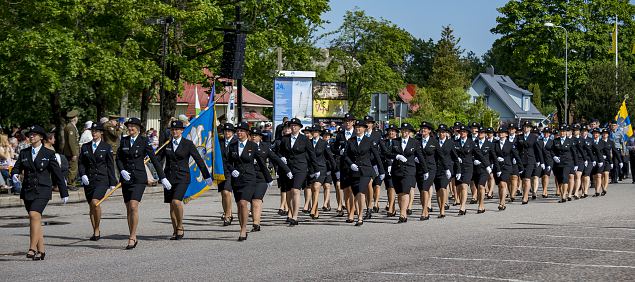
pixel 239 81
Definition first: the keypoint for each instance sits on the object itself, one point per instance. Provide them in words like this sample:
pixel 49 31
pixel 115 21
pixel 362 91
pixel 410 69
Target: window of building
pixel 526 104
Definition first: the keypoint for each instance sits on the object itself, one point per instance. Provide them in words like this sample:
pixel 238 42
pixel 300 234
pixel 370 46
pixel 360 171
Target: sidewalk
pixel 9 200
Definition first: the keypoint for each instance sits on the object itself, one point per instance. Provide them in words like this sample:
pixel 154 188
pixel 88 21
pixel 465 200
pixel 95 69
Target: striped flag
pixel 197 104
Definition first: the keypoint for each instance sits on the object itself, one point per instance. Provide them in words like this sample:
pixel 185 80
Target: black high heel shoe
pixel 130 247
pixel 348 220
pixel 524 203
pixel 39 256
pixel 480 211
pixel 391 214
pixel 461 212
pixel 501 207
pixel 441 216
pixel 315 216
pixel 603 193
pixel 402 219
pixel 29 255
pixel 255 228
pixel 95 238
pixel 305 211
pixel 473 201
pixel 180 236
pixel 240 238
pixel 422 218
pixel 359 223
pixel 340 213
pixel 409 212
pixel 375 209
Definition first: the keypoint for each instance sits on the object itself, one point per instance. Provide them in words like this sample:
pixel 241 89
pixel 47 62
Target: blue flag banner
pixel 202 131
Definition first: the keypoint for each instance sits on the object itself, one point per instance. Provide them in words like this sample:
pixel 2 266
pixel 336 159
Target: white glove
pixel 337 175
pixel 556 159
pixel 111 187
pixel 460 161
pixel 209 181
pixel 489 170
pixel 290 175
pixel 354 167
pixel 600 164
pixel 549 168
pixel 542 166
pixel 621 165
pixel 401 158
pixel 269 184
pixel 65 200
pixel 416 160
pixel 611 166
pixel 389 170
pixel 538 164
pixel 477 162
pixel 448 174
pixel 458 176
pixel 586 163
pixel 604 157
pixel 594 163
pixel 382 176
pixel 341 152
pixel 426 175
pixel 16 178
pixel 166 183
pixel 235 173
pixel 575 168
pixel 498 174
pixel 500 160
pixel 284 160
pixel 125 175
pixel 376 169
pixel 316 175
pixel 85 181
pixel 513 161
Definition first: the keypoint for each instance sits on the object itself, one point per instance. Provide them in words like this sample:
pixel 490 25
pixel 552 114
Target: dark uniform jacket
pixel 131 159
pixel 444 156
pixel 486 150
pixel 323 155
pixel 301 157
pixel 39 174
pixel 177 162
pixel 429 152
pixel 508 153
pixel 467 154
pixel 411 151
pixel 547 146
pixel 528 149
pixel 245 164
pixel 362 155
pixel 264 151
pixel 98 166
pixel 564 150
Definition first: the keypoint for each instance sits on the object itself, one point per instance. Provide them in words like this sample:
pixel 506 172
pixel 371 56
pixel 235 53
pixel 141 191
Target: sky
pixel 470 19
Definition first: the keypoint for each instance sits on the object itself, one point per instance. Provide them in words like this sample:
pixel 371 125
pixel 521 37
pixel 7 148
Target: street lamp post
pixel 566 68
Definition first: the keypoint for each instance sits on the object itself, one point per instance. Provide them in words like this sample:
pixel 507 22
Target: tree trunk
pixel 100 101
pixel 168 99
pixel 146 96
pixel 57 120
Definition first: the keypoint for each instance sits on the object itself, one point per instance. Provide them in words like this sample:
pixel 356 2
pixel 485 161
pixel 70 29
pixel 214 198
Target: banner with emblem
pixel 202 131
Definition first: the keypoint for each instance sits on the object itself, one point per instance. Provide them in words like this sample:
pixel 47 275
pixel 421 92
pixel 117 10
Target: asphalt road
pixel 589 240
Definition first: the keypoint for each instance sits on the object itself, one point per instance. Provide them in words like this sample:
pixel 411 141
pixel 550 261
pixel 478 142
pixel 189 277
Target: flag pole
pixel 119 184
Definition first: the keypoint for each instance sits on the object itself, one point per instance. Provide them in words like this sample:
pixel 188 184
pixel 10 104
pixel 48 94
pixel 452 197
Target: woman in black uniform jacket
pixel 40 171
pixel 426 167
pixel 564 160
pixel 403 152
pixel 264 151
pixel 331 168
pixel 359 152
pixel 466 154
pixel 323 160
pixel 444 167
pixel 547 144
pixel 599 149
pixel 177 170
pixel 505 154
pixel 386 145
pixel 611 154
pixel 241 157
pixel 482 167
pixel 296 151
pixel 130 162
pixel 97 169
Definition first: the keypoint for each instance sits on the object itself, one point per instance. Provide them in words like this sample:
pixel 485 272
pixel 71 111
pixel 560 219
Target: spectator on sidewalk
pixel 86 134
pixel 49 143
pixel 7 156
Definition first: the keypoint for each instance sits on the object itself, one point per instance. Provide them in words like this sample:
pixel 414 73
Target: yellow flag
pixel 614 40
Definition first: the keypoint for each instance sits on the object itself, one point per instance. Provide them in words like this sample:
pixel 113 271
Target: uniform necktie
pixel 404 142
pixel 94 147
pixel 561 141
pixel 462 143
pixel 242 145
pixel 424 142
pixel 359 139
pixel 442 141
pixel 175 143
pixel 33 153
pixel 314 143
pixel 480 143
pixel 132 141
pixel 367 134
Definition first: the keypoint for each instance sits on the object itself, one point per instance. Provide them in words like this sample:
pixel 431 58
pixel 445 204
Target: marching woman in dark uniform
pixel 403 153
pixel 296 151
pixel 426 168
pixel 391 136
pixel 578 150
pixel 611 156
pixel 564 160
pixel 599 149
pixel 132 151
pixel 359 153
pixel 283 180
pixel 242 158
pixel 505 153
pixel 515 177
pixel 588 161
pixel 177 170
pixel 323 160
pixel 40 171
pixel 547 144
pixel 375 192
pixel 225 187
pixel 264 151
pixel 466 154
pixel 529 151
pixel 482 167
pixel 341 140
pixel 444 167
pixel 97 169
pixel 331 168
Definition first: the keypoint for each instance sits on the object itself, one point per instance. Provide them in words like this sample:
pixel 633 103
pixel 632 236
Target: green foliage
pixel 598 98
pixel 420 61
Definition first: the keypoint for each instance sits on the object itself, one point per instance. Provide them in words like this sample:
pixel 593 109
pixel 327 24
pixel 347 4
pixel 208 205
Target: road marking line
pixel 586 237
pixel 566 248
pixel 539 262
pixel 447 275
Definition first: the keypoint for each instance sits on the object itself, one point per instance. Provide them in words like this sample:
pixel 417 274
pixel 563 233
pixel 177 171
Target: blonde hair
pixel 4 140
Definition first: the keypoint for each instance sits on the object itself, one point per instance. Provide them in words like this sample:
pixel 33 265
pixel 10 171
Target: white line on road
pixel 539 262
pixel 566 248
pixel 447 275
pixel 586 237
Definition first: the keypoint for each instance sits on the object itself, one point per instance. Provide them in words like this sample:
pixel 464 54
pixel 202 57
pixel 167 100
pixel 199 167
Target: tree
pixel 598 98
pixel 419 64
pixel 372 54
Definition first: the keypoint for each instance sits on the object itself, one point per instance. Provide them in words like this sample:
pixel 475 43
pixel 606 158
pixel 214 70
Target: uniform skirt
pixel 176 193
pixel 466 178
pixel 562 174
pixel 319 179
pixel 537 171
pixel 36 205
pixel 377 181
pixel 329 178
pixel 424 185
pixel 546 172
pixel 587 171
pixel 132 192
pixel 441 181
pixel 388 182
pixel 225 185
pixel 360 184
pixel 403 184
pixel 480 177
pixel 260 191
pixel 245 192
pixel 506 175
pixel 298 181
pixel 529 170
pixel 606 167
pixel 95 193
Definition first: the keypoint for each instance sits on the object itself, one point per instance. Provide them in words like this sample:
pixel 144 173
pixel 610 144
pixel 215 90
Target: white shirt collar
pixel 295 136
pixel 97 143
pixel 37 149
pixel 178 141
pixel 425 138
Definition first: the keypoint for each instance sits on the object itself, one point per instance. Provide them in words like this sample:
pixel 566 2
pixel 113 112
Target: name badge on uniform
pixel 168 148
pixel 125 148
